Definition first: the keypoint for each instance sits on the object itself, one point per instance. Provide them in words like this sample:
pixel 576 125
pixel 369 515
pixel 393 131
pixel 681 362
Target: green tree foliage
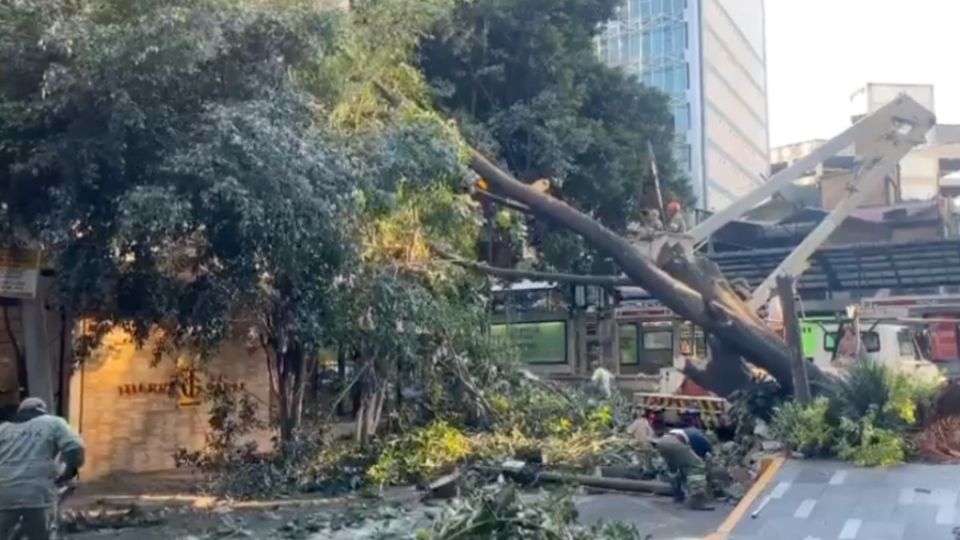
pixel 524 79
pixel 165 156
pixel 207 168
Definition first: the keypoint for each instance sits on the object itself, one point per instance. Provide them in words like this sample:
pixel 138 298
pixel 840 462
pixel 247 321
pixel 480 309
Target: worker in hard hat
pixel 675 221
pixel 685 451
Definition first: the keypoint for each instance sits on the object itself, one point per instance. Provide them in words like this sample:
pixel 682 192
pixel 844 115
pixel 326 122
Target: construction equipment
pixel 885 136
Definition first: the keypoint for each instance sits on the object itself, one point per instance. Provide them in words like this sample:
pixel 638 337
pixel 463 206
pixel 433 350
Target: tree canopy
pixel 210 167
pixel 526 82
pixel 203 169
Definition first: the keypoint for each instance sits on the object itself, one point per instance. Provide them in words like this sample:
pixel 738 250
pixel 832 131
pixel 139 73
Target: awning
pixel 895 266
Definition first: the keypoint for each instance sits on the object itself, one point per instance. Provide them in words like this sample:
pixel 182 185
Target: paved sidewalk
pixel 827 500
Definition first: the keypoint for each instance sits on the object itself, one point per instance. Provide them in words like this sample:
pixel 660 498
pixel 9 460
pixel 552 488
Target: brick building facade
pixel 130 420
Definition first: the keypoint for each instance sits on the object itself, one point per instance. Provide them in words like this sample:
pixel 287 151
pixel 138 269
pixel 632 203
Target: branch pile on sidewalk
pixel 77 521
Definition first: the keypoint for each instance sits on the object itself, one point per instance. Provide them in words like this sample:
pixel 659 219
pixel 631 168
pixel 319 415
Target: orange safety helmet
pixel 673 207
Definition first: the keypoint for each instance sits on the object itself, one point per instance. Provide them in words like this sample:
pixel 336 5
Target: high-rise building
pixel 709 56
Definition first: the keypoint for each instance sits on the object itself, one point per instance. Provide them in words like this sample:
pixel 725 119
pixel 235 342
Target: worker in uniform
pixel 601 379
pixel 32 451
pixel 652 221
pixel 675 221
pixel 685 452
pixel 640 429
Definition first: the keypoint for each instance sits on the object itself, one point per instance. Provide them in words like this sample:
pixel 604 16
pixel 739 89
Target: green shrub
pixel 911 397
pixel 806 429
pixel 420 454
pixel 867 445
pixel 864 387
pixel 893 398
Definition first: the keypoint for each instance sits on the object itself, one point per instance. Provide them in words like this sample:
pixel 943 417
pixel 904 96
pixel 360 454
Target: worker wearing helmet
pixel 685 451
pixel 675 221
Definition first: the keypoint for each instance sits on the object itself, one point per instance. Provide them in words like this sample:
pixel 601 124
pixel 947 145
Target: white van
pixel 893 345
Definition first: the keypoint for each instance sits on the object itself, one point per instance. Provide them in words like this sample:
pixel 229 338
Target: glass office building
pixel 709 57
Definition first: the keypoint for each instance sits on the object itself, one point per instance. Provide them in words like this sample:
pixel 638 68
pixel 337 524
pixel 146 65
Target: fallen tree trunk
pixel 733 325
pixel 723 374
pixel 725 369
pixel 736 329
pixel 602 482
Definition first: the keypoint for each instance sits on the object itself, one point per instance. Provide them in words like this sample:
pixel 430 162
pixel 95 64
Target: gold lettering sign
pixel 186 387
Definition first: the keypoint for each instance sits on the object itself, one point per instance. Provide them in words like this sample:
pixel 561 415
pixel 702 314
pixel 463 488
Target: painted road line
pixel 743 507
pixel 838 478
pixel 946 514
pixel 780 490
pixel 805 509
pixel 850 529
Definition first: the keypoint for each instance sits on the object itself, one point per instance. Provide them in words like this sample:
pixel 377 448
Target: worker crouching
pixel 685 452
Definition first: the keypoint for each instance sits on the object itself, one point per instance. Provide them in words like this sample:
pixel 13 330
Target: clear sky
pixel 820 51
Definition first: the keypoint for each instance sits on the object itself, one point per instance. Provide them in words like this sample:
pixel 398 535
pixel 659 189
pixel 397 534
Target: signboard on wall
pixel 19 272
pixel 538 342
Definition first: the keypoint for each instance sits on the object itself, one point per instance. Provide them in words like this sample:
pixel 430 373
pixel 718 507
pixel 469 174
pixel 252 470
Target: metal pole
pixel 791 326
pixel 656 180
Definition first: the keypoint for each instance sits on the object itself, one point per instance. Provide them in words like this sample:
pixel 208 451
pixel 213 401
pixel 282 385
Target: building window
pixel 537 342
pixel 629 344
pixel 681 118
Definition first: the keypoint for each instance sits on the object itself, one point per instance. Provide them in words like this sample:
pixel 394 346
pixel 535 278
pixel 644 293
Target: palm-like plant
pixel 864 388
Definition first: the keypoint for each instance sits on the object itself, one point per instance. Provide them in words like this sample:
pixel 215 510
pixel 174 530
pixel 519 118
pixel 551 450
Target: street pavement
pixel 826 500
pixel 659 517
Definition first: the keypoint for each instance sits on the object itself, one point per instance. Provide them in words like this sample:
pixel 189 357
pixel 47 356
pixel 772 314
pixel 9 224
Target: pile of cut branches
pixel 499 512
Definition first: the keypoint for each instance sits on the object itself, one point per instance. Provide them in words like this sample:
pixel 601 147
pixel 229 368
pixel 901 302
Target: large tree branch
pixel 513 205
pixel 514 274
pixel 737 330
pixel 758 344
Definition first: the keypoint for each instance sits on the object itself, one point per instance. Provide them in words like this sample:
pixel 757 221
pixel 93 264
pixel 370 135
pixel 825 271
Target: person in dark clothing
pixel 685 451
pixel 698 441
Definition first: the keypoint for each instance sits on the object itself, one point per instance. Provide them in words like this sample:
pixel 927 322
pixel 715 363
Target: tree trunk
pixel 283 409
pixel 723 374
pixel 290 374
pixel 791 326
pixel 738 331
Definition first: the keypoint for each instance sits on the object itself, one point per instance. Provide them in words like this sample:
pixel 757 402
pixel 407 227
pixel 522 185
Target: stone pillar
pixel 41 377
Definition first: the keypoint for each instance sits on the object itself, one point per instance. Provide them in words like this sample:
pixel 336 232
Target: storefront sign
pixel 19 272
pixel 186 388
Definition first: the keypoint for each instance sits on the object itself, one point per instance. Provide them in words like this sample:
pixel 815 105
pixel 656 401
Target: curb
pixel 769 471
